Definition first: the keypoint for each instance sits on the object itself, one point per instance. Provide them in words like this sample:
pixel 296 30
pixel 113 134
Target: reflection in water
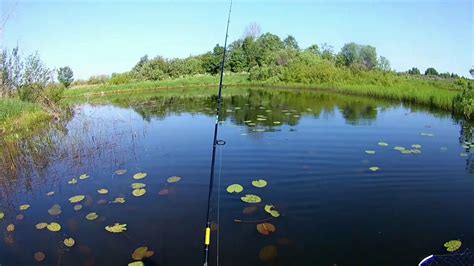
pixel 309 146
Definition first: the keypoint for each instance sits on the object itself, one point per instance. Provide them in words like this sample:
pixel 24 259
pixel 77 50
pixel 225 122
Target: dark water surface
pixel 310 147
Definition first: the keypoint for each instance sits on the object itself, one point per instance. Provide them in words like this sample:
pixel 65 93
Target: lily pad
pixel 77 198
pixel 53 227
pixel 141 253
pixel 138 192
pixel 41 226
pixel 271 210
pixel 405 152
pixel 452 245
pixel 382 144
pixel 69 242
pixel 259 183
pixel 83 176
pixel 266 228
pixel 49 194
pixel 399 148
pixel 10 228
pixel 374 168
pixel 249 198
pixel 137 185
pixel 24 207
pixel 92 216
pixel 2 215
pixel 103 191
pixel 116 228
pixel 72 181
pixel 55 210
pixel 138 176
pixel 173 179
pixel 235 188
pixel 136 263
pixel 370 151
pixel 121 172
pixel 77 207
pixel 39 256
pixel 119 200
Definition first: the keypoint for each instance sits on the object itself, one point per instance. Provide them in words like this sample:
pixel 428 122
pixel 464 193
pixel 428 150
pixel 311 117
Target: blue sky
pixel 105 36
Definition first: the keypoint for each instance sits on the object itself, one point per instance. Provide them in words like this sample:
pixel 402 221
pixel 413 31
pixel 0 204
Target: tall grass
pixel 19 118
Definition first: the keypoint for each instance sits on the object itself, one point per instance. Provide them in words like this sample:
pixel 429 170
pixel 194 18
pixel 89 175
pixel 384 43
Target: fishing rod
pixel 207 238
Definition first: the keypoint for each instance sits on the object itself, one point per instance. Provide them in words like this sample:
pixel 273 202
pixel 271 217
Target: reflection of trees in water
pixel 50 156
pixel 466 131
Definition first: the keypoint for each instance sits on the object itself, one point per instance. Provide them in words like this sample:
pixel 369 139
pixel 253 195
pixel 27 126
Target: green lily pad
pixel 136 263
pixel 72 181
pixel 259 183
pixel 77 198
pixel 2 215
pixel 24 207
pixel 119 200
pixel 173 179
pixel 116 228
pixel 53 227
pixel 92 216
pixel 50 193
pixel 405 151
pixel 399 148
pixel 121 172
pixel 370 151
pixel 77 207
pixel 271 210
pixel 138 176
pixel 41 226
pixel 137 185
pixel 452 245
pixel 416 146
pixel 374 168
pixel 138 192
pixel 382 144
pixel 83 176
pixel 250 198
pixel 235 188
pixel 103 191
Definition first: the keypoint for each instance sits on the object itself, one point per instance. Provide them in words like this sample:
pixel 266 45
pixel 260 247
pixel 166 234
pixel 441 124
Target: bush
pixel 54 92
pixel 30 92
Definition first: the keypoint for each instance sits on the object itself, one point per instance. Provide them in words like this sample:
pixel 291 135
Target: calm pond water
pixel 310 147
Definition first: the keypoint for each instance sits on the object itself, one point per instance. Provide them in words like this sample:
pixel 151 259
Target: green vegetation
pixel 65 76
pixel 19 118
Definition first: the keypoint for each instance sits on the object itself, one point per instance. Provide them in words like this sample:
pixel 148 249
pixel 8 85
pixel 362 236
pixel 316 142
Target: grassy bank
pixel 429 93
pixel 19 118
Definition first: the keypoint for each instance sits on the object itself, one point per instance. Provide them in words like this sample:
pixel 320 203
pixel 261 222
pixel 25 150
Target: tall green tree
pixel 65 76
pixel 431 71
pixel 383 64
pixel 291 43
pixel 314 49
pixel 414 71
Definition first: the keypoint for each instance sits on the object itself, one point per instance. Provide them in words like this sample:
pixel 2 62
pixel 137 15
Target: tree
pixel 65 76
pixel 327 51
pixel 431 72
pixel 471 71
pixel 414 71
pixel 35 71
pixel 143 60
pixel 383 64
pixel 314 49
pixel 368 55
pixel 291 43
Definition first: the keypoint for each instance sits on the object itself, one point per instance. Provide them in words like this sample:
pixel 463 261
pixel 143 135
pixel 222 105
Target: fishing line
pixel 218 204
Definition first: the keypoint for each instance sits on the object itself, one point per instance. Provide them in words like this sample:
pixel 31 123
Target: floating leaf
pixel 69 242
pixel 235 188
pixel 77 207
pixel 370 152
pixel 136 263
pixel 53 227
pixel 164 192
pixel 374 168
pixel 141 253
pixel 121 172
pixel 39 256
pixel 265 228
pixel 399 148
pixel 10 227
pixel 139 176
pixel 41 226
pixel 137 185
pixel 463 154
pixel 382 144
pixel 452 245
pixel 72 181
pixel 405 151
pixel 268 253
pixel 77 198
pixel 173 179
pixel 24 207
pixel 55 210
pixel 103 191
pixel 2 215
pixel 92 216
pixel 119 200
pixel 259 183
pixel 116 228
pixel 49 194
pixel 138 192
pixel 270 209
pixel 249 198
pixel 83 176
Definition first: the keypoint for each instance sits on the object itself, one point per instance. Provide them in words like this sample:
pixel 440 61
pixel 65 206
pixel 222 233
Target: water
pixel 334 210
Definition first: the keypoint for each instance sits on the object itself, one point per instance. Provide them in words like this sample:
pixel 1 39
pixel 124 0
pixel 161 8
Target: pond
pixel 314 150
